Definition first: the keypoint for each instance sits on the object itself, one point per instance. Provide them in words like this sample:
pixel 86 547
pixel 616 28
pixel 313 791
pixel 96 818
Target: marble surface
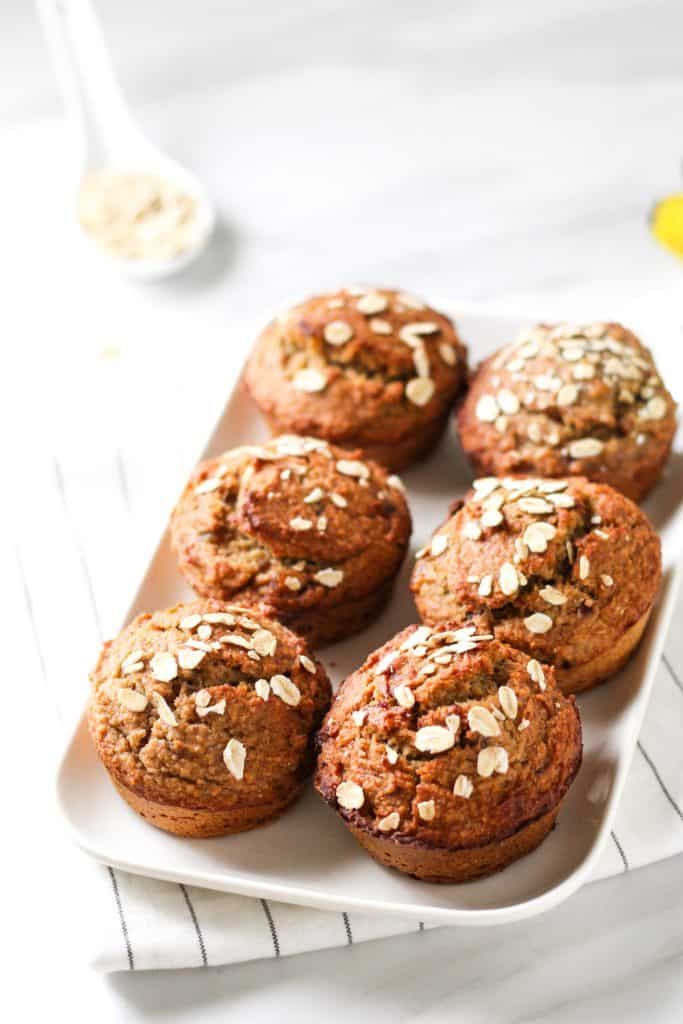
pixel 499 153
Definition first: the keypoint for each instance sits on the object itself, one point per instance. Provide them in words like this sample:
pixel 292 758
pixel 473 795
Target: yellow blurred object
pixel 667 223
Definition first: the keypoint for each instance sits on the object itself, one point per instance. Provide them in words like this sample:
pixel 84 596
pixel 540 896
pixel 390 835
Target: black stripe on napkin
pixel 672 672
pixel 122 919
pixel 658 777
pixel 620 848
pixel 271 925
pixel 195 922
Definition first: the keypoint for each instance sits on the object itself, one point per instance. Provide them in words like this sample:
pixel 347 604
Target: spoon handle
pixel 92 95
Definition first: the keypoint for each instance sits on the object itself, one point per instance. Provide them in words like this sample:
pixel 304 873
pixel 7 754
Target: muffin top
pixel 568 399
pixel 294 523
pixel 558 568
pixel 366 365
pixel 449 738
pixel 207 705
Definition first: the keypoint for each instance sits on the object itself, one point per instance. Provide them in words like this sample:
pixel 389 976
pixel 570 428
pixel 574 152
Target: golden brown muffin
pixel 306 531
pixel 375 370
pixel 571 400
pixel 566 570
pixel 203 715
pixel 448 754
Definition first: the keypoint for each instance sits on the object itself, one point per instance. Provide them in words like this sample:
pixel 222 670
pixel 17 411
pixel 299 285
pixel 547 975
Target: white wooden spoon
pixel 108 135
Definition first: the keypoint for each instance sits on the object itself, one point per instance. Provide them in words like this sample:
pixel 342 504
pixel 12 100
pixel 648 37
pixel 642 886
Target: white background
pixel 505 153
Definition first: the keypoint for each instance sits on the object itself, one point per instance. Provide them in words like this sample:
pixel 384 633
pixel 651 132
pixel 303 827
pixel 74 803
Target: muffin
pixel 374 370
pixel 310 533
pixel 203 715
pixel 566 570
pixel 448 753
pixel 567 400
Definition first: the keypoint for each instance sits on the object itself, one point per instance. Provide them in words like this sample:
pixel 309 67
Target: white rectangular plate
pixel 307 856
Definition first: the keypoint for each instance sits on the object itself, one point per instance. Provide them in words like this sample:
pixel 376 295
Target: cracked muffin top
pixel 568 399
pixel 207 705
pixel 559 568
pixel 357 365
pixel 292 524
pixel 446 737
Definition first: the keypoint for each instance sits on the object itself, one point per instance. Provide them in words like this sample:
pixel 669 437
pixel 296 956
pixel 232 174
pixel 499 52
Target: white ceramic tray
pixel 307 856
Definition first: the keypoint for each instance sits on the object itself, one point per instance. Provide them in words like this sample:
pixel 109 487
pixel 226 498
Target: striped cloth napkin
pixel 81 570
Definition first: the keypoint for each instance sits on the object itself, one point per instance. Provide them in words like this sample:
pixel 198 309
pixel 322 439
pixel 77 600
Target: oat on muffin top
pixel 565 398
pixel 292 523
pixel 449 738
pixel 368 365
pixel 556 567
pixel 206 705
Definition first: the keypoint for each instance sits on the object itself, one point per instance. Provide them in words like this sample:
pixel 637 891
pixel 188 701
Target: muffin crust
pixel 375 370
pixel 566 570
pixel 567 399
pixel 447 753
pixel 203 716
pixel 306 531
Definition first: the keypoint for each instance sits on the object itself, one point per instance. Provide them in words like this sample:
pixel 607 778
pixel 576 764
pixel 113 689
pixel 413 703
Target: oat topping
pixel 453 723
pixel 482 721
pixel 163 666
pixel 350 796
pixel 508 579
pixel 329 577
pixel 286 690
pixel 211 709
pixel 426 810
pixel 307 663
pixel 389 823
pixel 371 303
pixel 379 326
pixel 487 409
pixel 585 448
pixel 234 756
pixel 471 530
pixel 463 787
pixel 433 739
pixel 131 699
pixel 404 696
pixel 391 753
pixel 165 713
pixel 310 380
pixel 338 332
pixel 300 524
pixel 189 658
pixel 492 759
pixel 262 688
pixel 539 622
pixel 352 467
pixel 190 622
pixel 210 484
pixel 508 701
pixel 133 663
pixel 535 670
pixel 439 544
pixel 419 390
